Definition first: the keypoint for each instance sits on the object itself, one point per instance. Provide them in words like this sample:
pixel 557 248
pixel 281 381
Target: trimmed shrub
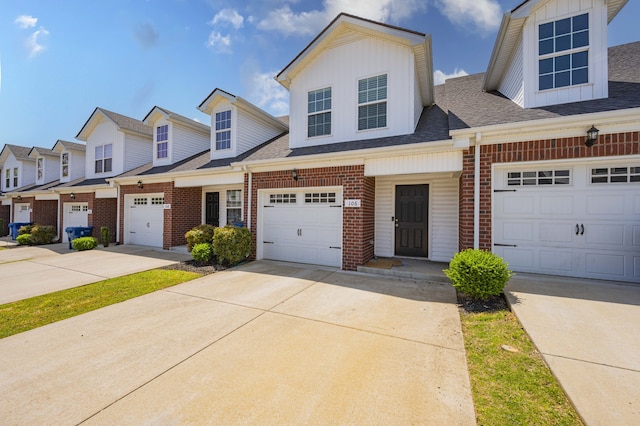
pixel 105 236
pixel 42 234
pixel 26 229
pixel 202 252
pixel 232 245
pixel 478 273
pixel 84 243
pixel 24 240
pixel 199 234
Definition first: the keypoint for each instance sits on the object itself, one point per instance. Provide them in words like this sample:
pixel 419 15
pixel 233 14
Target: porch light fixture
pixel 592 136
pixel 140 185
pixel 19 197
pixel 294 173
pixel 72 195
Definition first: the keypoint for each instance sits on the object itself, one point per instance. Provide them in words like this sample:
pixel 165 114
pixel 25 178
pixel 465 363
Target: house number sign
pixel 352 203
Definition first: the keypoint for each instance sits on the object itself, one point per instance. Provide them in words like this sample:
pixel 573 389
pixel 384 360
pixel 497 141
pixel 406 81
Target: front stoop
pixel 416 269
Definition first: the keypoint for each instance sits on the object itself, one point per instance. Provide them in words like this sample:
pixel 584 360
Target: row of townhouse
pixel 537 159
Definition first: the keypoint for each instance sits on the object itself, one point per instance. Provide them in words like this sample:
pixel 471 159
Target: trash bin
pixel 14 226
pixel 238 224
pixel 74 232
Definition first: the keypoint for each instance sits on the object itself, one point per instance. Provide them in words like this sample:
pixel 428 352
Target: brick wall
pixel 104 213
pixel 45 212
pixel 358 223
pixel 549 149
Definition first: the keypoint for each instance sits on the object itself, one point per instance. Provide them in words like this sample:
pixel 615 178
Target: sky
pixel 59 60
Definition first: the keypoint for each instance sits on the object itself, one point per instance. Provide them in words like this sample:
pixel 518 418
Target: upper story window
pixel 15 177
pixel 65 164
pixel 563 49
pixel 104 158
pixel 40 167
pixel 372 102
pixel 223 130
pixel 7 175
pixel 319 112
pixel 162 141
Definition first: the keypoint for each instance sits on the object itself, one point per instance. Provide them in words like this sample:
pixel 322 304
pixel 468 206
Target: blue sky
pixel 61 59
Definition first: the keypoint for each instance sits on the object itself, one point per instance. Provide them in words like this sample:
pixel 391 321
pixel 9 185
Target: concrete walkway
pixel 31 271
pixel 589 334
pixel 265 343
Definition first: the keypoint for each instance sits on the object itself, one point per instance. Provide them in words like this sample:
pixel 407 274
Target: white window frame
pixel 162 143
pixel 7 174
pixel 378 100
pixel 231 204
pixel 39 168
pixel 64 164
pixel 15 177
pixel 221 131
pixel 103 159
pixel 318 108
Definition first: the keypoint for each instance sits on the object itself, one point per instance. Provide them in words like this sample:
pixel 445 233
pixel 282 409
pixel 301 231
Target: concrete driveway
pixel 265 343
pixel 589 334
pixel 31 271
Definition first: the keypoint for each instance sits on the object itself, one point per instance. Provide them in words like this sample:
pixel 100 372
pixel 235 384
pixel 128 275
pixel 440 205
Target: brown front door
pixel 412 207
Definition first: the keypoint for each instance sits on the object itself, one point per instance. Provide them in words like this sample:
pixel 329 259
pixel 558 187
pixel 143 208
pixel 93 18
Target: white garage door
pixel 144 220
pixel 75 214
pixel 568 219
pixel 302 226
pixel 21 213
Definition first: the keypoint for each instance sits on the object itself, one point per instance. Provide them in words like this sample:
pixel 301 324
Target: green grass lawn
pixel 28 314
pixel 511 388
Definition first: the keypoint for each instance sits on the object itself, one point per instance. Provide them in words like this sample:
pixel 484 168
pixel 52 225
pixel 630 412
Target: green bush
pixel 232 245
pixel 202 252
pixel 199 234
pixel 24 240
pixel 84 243
pixel 478 273
pixel 42 234
pixel 26 229
pixel 105 236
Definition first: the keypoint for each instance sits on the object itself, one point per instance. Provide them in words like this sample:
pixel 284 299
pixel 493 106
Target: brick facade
pixel 539 150
pixel 184 214
pixel 103 212
pixel 358 224
pixel 45 212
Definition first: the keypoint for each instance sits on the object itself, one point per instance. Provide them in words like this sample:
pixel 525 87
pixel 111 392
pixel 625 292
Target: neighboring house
pixel 72 160
pixel 18 173
pixel 114 144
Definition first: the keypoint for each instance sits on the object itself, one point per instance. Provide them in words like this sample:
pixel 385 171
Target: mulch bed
pixel 468 304
pixel 199 267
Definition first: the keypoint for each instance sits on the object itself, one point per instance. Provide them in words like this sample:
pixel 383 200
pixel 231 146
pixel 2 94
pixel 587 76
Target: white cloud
pixel 33 43
pixel 289 22
pixel 483 15
pixel 218 42
pixel 268 94
pixel 439 77
pixel 230 16
pixel 26 21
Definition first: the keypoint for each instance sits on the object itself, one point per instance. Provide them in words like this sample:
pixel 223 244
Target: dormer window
pixel 162 141
pixel 65 164
pixel 15 177
pixel 563 49
pixel 40 167
pixel 319 112
pixel 372 102
pixel 7 174
pixel 223 130
pixel 103 158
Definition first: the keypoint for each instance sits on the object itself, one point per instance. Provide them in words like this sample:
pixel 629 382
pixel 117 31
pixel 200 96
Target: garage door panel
pixel 554 261
pixel 556 232
pixel 557 205
pixel 605 234
pixel 605 205
pixel 606 265
pixel 518 258
pixel 520 206
pixel 512 232
pixel 636 236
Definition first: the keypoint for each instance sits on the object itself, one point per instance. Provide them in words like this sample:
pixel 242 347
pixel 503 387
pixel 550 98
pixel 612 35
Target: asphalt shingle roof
pixel 73 145
pixel 20 152
pixel 128 123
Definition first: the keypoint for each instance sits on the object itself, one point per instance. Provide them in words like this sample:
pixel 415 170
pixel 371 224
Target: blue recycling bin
pixel 14 226
pixel 74 232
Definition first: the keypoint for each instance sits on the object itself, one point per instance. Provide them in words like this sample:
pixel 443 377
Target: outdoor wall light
pixel 294 173
pixel 19 198
pixel 72 195
pixel 140 185
pixel 592 136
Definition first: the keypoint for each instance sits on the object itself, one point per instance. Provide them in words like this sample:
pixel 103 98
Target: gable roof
pixel 20 152
pixel 36 151
pixel 510 34
pixel 469 106
pixel 156 111
pixel 62 145
pixel 124 124
pixel 419 42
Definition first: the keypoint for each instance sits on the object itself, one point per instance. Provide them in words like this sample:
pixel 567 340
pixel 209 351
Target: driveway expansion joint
pixel 568 358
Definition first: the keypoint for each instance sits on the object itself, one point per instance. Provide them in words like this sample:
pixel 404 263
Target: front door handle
pixel 581 229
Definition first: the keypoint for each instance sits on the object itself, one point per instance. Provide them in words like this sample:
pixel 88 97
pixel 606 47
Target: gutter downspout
pixel 118 213
pixel 476 194
pixel 246 170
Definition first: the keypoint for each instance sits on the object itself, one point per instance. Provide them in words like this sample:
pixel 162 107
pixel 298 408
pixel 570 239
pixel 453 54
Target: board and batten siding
pixel 139 151
pixel 340 66
pixel 512 85
pixel 597 87
pixel 443 214
pixel 186 142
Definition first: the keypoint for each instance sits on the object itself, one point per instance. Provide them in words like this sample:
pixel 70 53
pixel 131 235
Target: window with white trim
pixel 79 208
pixel 223 130
pixel 40 168
pixel 15 177
pixel 319 112
pixel 104 158
pixel 563 52
pixel 234 206
pixel 615 174
pixel 7 174
pixel 155 201
pixel 282 198
pixel 140 201
pixel 539 177
pixel 372 102
pixel 319 197
pixel 162 141
pixel 65 164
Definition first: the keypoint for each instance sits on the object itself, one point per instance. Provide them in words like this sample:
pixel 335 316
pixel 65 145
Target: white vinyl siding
pixel 417 100
pixel 512 86
pixel 76 166
pixel 105 133
pixel 187 142
pixel 443 214
pixel 51 169
pixel 349 59
pixel 251 131
pixel 139 151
